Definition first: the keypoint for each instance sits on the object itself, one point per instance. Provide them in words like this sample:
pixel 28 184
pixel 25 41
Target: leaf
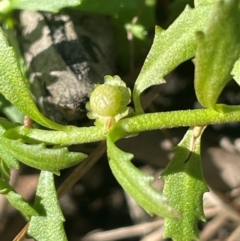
pixel 4 171
pixel 15 89
pixel 33 5
pixel 40 157
pixel 217 50
pixel 135 182
pixel 10 111
pixel 76 136
pixel 19 203
pixel 184 186
pixel 48 226
pixel 16 200
pixel 5 124
pixel 7 158
pixel 169 49
pixel 203 2
pixel 4 187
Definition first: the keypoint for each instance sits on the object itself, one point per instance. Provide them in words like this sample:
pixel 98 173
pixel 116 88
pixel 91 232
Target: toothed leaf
pixel 170 48
pixel 49 224
pixel 14 87
pixel 184 186
pixel 135 182
pixel 40 157
pixel 19 203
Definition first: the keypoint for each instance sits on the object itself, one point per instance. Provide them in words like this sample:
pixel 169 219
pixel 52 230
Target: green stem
pixel 164 120
pixel 131 125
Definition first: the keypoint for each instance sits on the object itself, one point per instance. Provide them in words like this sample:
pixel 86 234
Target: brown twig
pixel 126 232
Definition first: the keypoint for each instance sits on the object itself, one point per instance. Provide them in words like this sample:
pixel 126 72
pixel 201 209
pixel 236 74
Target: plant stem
pixel 134 124
pixel 164 120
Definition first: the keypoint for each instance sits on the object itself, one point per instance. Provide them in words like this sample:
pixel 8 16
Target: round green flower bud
pixel 105 100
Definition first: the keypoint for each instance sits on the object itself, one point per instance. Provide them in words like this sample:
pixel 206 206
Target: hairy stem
pixel 164 120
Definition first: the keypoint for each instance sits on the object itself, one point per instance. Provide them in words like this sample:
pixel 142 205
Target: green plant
pixel 210 32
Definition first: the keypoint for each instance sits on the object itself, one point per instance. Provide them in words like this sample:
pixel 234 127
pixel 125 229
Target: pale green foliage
pixel 184 186
pixel 12 82
pixel 48 226
pixel 217 46
pixel 170 48
pixel 203 2
pixel 40 157
pixel 51 6
pixel 217 50
pixel 75 136
pixel 19 203
pixel 14 198
pixel 135 182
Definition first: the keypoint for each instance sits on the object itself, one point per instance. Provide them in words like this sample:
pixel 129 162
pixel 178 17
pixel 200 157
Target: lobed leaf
pixel 218 48
pixel 184 186
pixel 135 182
pixel 40 157
pixel 15 89
pixel 49 224
pixel 16 200
pixel 19 203
pixel 170 48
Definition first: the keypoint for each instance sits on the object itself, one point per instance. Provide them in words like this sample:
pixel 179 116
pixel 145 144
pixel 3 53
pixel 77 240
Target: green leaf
pixel 19 203
pixel 48 226
pixel 169 49
pixel 33 5
pixel 7 158
pixel 15 89
pixel 5 124
pixel 203 2
pixel 135 182
pixel 4 171
pixel 75 136
pixel 16 200
pixel 217 50
pixel 40 157
pixel 4 187
pixel 10 111
pixel 184 186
